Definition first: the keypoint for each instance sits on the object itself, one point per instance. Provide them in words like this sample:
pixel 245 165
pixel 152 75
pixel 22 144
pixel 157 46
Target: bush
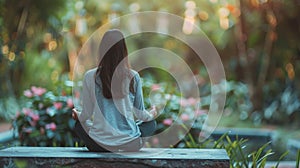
pixel 45 119
pixel 171 106
pixel 235 149
pixel 176 109
pixel 283 108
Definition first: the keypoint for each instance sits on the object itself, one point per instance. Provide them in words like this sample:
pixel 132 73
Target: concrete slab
pixel 81 157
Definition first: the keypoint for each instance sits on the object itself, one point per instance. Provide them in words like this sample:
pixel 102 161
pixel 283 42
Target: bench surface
pixel 147 157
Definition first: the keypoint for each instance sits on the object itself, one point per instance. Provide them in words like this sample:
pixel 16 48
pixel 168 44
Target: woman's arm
pixel 87 100
pixel 139 109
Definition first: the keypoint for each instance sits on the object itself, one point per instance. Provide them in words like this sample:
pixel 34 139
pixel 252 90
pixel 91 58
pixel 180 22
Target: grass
pixel 239 158
pixel 279 139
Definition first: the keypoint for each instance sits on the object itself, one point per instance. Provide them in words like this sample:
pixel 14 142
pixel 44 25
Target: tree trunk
pixel 243 58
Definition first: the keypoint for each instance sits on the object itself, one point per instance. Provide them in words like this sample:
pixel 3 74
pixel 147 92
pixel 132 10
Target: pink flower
pixel 28 93
pixel 51 126
pixel 27 111
pixel 77 94
pixel 188 102
pixel 35 117
pixel 155 87
pixel 38 91
pixel 168 121
pixel 32 123
pixel 58 105
pixel 184 117
pixel 200 112
pixel 70 103
pixel 155 140
pixel 183 102
pixel 192 101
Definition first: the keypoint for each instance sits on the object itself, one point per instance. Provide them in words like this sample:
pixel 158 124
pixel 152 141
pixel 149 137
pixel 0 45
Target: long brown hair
pixel 114 62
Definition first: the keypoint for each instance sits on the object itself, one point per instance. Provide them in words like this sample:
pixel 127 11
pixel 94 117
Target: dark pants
pixel 146 128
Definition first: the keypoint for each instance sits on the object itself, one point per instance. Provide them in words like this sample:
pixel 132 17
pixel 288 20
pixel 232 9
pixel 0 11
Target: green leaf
pixel 298 159
pixel 220 140
pixel 58 137
pixel 281 157
pixel 50 134
pixel 71 123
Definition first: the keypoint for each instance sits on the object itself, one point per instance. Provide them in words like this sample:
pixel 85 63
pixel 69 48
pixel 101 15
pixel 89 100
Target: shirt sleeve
pixel 87 101
pixel 138 105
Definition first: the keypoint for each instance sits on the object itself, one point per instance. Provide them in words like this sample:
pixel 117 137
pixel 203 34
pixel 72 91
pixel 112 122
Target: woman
pixel 113 116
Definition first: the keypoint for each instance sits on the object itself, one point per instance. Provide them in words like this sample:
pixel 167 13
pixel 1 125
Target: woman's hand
pixel 75 114
pixel 153 111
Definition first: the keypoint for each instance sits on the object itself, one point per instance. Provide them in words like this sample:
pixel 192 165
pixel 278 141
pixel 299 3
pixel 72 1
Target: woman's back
pixel 111 100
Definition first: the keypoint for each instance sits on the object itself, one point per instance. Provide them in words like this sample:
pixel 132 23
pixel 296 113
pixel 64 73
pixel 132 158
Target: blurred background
pixel 257 40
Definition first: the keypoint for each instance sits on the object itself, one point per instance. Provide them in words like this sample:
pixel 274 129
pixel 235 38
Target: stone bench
pixel 81 157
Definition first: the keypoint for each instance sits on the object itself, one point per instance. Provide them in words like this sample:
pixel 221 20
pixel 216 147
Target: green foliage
pixel 45 119
pixel 22 28
pixel 281 157
pixel 284 108
pixel 188 111
pixel 235 150
pixel 49 69
pixel 237 98
pixel 298 159
pixel 171 105
pixel 24 60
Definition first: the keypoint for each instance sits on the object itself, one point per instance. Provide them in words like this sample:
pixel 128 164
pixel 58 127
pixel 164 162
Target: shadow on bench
pixel 80 157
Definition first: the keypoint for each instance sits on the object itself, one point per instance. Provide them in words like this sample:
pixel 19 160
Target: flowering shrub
pixel 172 108
pixel 46 119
